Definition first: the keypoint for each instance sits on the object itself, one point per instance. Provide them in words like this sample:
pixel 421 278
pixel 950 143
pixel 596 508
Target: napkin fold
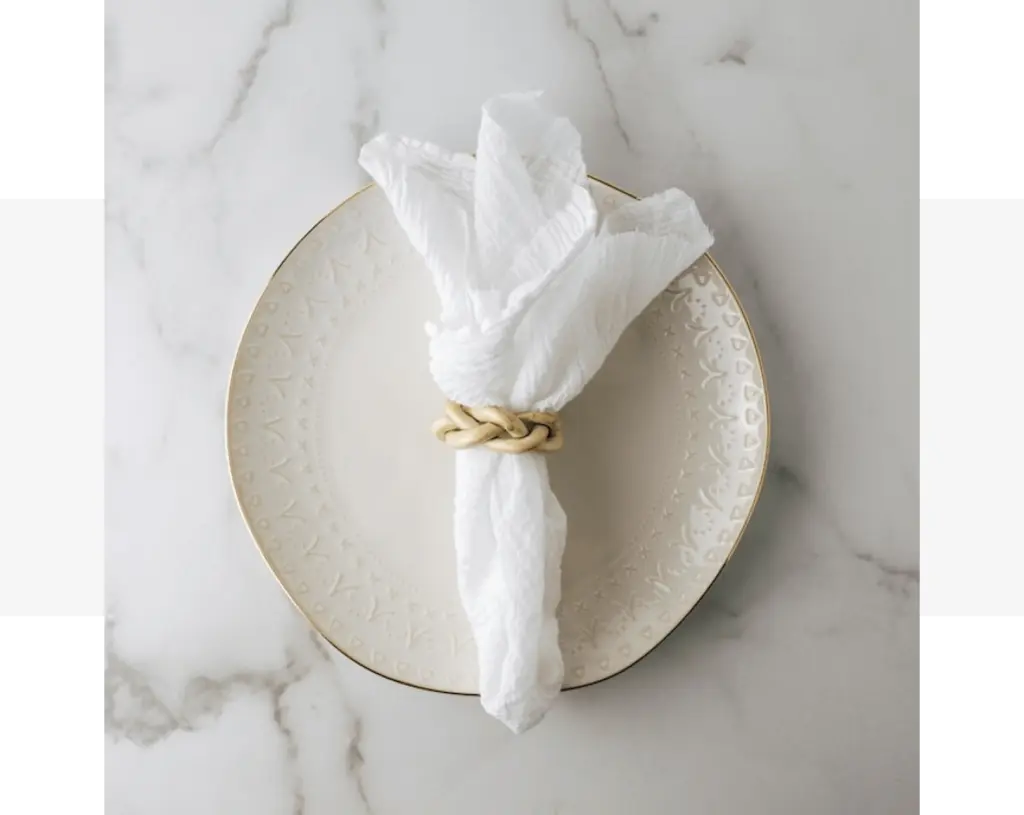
pixel 536 288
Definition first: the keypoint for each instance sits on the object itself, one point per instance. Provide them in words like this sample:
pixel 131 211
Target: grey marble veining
pixel 233 126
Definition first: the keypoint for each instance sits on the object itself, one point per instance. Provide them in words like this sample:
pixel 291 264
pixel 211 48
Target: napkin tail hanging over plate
pixel 535 288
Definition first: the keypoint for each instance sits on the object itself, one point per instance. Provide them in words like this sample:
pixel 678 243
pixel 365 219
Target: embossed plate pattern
pixel 348 495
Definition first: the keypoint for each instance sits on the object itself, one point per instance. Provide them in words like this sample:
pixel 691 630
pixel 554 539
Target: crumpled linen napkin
pixel 535 289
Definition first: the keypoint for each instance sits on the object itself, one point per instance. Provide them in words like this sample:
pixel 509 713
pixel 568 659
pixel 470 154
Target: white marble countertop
pixel 233 126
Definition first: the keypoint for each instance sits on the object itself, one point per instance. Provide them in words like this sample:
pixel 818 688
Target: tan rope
pixel 499 429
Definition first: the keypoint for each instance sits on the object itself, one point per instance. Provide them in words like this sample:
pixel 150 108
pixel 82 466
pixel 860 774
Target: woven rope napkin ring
pixel 499 429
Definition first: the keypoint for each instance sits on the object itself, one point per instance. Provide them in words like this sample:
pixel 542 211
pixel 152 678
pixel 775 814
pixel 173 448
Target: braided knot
pixel 499 429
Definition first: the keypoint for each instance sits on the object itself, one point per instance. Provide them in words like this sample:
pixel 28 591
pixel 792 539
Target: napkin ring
pixel 499 429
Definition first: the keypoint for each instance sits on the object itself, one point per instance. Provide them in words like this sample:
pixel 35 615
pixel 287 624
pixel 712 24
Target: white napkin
pixel 535 290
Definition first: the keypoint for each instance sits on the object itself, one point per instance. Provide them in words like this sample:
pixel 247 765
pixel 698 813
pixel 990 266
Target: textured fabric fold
pixel 535 291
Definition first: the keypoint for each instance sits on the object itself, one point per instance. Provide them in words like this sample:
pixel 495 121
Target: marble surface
pixel 233 126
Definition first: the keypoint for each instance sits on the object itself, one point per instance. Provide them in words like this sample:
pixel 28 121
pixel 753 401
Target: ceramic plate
pixel 348 495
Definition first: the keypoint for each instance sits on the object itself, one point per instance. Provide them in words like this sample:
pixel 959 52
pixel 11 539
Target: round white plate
pixel 348 495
